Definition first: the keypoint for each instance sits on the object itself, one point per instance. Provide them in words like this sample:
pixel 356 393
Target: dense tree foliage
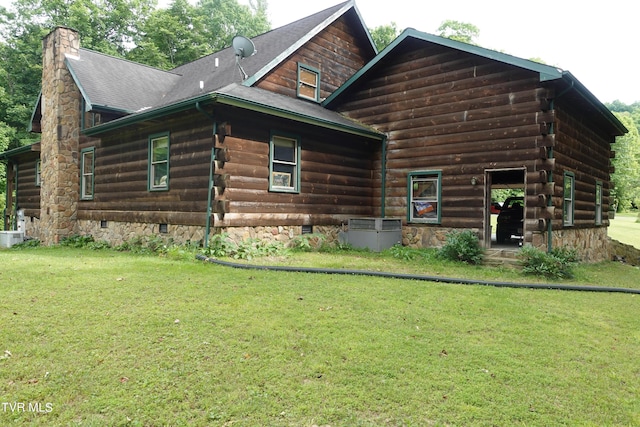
pixel 383 35
pixel 459 31
pixel 133 29
pixel 626 177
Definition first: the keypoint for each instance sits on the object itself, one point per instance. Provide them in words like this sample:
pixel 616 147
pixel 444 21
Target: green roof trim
pixel 149 114
pixel 546 72
pixel 230 100
pixel 5 155
pixel 298 44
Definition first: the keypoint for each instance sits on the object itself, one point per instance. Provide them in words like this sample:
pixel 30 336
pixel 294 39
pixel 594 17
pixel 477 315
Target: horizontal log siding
pixel 121 169
pixel 454 112
pixel 336 177
pixel 586 153
pixel 337 52
pixel 337 181
pixel 28 194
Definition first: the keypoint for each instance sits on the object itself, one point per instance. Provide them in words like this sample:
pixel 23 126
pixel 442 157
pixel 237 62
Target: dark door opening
pixel 504 207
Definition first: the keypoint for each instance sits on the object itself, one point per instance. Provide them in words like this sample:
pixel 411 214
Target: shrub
pixel 32 243
pixel 308 242
pixel 462 246
pixel 221 246
pixel 557 264
pixel 76 241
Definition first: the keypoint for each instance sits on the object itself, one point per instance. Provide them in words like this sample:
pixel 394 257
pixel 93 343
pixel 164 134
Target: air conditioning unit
pixel 376 234
pixel 10 238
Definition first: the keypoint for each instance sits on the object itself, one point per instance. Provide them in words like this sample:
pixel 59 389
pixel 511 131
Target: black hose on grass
pixel 554 286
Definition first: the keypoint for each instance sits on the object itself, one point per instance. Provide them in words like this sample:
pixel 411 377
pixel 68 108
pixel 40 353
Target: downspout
pixel 211 175
pixel 552 131
pixel 384 176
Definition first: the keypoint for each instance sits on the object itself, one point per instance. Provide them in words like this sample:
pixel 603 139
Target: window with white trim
pixel 284 163
pixel 569 198
pixel 159 162
pixel 87 156
pixel 424 192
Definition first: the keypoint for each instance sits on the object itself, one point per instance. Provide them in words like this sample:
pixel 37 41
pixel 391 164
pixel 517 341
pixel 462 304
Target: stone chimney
pixel 61 104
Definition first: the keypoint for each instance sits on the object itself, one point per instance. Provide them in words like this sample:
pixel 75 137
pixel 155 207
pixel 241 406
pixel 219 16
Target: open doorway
pixel 504 202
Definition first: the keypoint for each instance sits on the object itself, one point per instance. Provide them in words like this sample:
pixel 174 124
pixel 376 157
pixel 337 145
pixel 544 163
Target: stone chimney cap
pixel 61 27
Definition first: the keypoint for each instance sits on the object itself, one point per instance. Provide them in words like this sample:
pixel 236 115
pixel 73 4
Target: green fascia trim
pixel 89 106
pixel 366 29
pixel 5 155
pixel 234 102
pixel 592 99
pixel 33 112
pixel 297 45
pixel 301 118
pixel 546 72
pixel 76 80
pixel 150 114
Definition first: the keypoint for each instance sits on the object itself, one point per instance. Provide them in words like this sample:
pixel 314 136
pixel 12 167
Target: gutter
pixel 224 99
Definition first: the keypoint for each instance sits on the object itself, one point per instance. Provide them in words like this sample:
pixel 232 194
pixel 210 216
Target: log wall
pixel 457 113
pixel 337 52
pixel 583 150
pixel 27 192
pixel 336 174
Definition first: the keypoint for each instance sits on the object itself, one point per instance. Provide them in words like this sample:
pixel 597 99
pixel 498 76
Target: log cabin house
pixel 315 129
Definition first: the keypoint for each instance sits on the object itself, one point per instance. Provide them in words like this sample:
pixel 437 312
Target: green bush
pixel 308 242
pixel 33 243
pixel 462 246
pixel 557 264
pixel 220 246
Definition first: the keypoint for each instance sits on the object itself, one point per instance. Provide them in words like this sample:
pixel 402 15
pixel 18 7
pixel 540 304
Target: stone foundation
pixel 117 233
pixel 427 237
pixel 593 244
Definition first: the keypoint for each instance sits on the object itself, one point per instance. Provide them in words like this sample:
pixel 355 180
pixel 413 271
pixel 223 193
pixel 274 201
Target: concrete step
pixel 504 257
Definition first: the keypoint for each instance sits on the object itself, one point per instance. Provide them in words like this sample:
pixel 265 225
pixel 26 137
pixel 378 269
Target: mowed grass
pixel 625 228
pixel 105 338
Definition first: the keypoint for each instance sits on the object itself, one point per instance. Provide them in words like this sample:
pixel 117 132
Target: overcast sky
pixel 595 40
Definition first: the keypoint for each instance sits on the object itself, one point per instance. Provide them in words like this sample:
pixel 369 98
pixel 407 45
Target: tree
pixel 183 33
pixel 626 177
pixel 459 31
pixel 383 35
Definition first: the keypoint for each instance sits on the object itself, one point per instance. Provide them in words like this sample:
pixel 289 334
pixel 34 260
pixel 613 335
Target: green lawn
pixel 625 228
pixel 97 338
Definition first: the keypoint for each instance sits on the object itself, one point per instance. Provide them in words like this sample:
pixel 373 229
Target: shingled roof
pixel 119 85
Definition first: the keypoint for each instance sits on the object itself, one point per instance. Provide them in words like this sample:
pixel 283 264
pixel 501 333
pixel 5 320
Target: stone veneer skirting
pixel 118 232
pixel 593 244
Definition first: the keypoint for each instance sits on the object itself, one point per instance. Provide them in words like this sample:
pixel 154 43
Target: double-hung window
pixel 284 164
pixel 87 159
pixel 159 162
pixel 569 198
pixel 308 82
pixel 424 192
pixel 598 202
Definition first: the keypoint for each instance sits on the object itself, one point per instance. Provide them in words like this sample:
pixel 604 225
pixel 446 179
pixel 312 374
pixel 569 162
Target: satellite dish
pixel 243 48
